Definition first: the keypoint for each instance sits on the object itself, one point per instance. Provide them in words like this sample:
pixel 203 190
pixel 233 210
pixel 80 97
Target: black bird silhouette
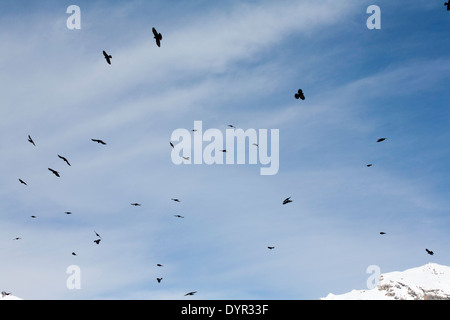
pixel 271 248
pixel 224 150
pixel 299 94
pixel 136 204
pixel 17 238
pixel 97 234
pixel 381 139
pixel 191 293
pixel 33 216
pixel 23 182
pixel 107 57
pixel 56 173
pixel 97 241
pixel 178 216
pixel 448 5
pixel 157 36
pixel 369 165
pixel 175 199
pixel 74 254
pixel 159 279
pixel 171 144
pixel 64 159
pixel 429 252
pixel 68 212
pixel 382 232
pixel 287 200
pixel 98 141
pixel 231 126
pixel 31 140
pixel 159 264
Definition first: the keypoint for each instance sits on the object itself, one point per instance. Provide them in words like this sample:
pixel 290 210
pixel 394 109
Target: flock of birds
pixel 158 38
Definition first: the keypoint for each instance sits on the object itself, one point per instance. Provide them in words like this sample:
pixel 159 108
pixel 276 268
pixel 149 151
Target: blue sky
pixel 223 63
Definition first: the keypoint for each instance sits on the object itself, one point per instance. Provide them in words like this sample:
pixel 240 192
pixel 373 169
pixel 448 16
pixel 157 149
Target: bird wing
pixel 155 33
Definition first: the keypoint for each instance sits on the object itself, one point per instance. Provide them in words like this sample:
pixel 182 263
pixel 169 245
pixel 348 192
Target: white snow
pixel 9 297
pixel 428 282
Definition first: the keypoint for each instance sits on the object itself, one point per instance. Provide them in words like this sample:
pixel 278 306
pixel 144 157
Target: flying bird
pixel 68 212
pixel 107 57
pixel 299 94
pixel 175 199
pixel 97 234
pixel 382 232
pixel 56 173
pixel 178 216
pixel 157 36
pixel 97 241
pixel 136 204
pixel 381 139
pixel 369 165
pixel 224 150
pixel 17 238
pixel 287 200
pixel 429 252
pixel 191 293
pixel 31 140
pixel 33 216
pixel 61 157
pixel 159 264
pixel 22 182
pixel 98 141
pixel 171 144
pixel 186 158
pixel 448 5
pixel 271 248
pixel 231 126
pixel 74 254
pixel 159 279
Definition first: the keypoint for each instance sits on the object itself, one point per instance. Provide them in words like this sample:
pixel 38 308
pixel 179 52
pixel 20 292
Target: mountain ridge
pixel 428 282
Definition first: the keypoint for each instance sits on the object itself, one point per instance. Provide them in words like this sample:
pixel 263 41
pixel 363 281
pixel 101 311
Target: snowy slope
pixel 9 297
pixel 429 282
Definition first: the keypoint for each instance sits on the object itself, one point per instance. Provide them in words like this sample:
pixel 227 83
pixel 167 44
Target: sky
pixel 221 63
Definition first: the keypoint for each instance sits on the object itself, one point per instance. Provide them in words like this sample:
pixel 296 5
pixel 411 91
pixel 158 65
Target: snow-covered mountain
pixel 428 282
pixel 9 297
